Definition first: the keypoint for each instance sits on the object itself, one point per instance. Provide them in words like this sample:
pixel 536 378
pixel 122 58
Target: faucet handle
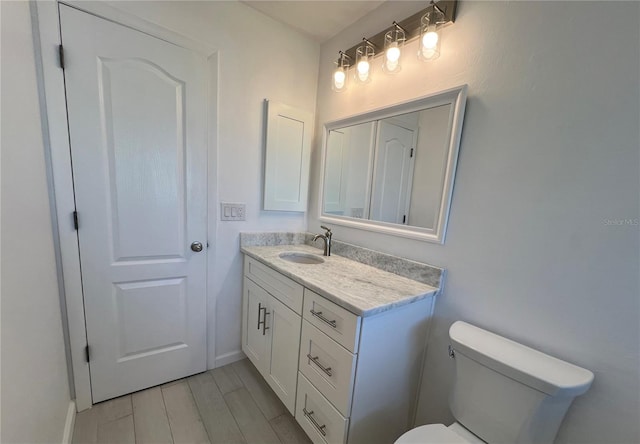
pixel 326 228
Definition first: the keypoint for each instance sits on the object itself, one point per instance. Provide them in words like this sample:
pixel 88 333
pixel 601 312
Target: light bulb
pixel 393 43
pixel 363 66
pixel 339 78
pixel 430 40
pixel 363 69
pixel 393 53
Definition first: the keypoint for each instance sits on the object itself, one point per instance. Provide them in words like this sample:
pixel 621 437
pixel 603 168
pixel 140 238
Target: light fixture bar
pixel 410 25
pixel 397 26
pixel 369 42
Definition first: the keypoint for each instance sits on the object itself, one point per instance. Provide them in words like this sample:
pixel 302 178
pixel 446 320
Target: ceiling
pixel 318 19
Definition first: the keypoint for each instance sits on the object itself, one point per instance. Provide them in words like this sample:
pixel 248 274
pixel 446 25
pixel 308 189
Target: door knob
pixel 196 246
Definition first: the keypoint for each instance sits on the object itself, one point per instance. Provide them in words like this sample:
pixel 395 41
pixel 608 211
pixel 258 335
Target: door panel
pixel 152 316
pixel 147 186
pixel 138 144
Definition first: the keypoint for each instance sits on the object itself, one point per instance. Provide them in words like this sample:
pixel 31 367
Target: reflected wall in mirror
pixel 392 170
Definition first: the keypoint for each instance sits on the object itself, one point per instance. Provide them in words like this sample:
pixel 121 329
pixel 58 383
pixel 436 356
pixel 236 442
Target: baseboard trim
pixel 229 358
pixel 69 423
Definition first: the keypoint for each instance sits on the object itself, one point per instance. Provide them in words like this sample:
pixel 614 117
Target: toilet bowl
pixel 503 392
pixel 439 433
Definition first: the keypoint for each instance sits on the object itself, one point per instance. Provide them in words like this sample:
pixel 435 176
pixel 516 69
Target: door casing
pixel 46 32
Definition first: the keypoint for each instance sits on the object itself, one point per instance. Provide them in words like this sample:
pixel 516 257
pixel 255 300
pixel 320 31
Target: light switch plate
pixel 232 211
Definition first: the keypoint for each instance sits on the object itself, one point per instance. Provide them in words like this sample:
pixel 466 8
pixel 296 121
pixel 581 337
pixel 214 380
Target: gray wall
pixel 35 389
pixel 549 153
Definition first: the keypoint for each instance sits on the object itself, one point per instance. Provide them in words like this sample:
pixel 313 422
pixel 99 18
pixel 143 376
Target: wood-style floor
pixel 231 404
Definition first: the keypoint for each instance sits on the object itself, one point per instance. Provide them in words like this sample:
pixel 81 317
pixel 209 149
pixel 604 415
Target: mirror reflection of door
pixel 393 171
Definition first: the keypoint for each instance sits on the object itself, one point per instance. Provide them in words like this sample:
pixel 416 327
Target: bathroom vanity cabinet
pixel 347 369
pixel 271 310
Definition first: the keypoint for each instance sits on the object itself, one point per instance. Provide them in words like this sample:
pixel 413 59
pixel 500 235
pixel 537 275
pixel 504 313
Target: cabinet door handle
pixel 259 310
pixel 318 314
pixel 314 422
pixel 264 321
pixel 314 359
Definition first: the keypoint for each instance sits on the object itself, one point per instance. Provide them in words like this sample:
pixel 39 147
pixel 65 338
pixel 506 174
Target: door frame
pixel 47 38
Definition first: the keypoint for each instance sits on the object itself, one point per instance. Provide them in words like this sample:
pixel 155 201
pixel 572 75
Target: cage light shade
pixel 393 45
pixel 364 59
pixel 340 76
pixel 430 35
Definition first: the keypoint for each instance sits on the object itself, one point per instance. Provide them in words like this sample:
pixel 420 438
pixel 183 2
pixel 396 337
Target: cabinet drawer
pixel 284 289
pixel 318 418
pixel 328 366
pixel 333 320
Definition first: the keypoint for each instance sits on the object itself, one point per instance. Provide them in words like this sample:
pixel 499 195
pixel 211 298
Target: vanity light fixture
pixel 364 57
pixel 393 43
pixel 423 26
pixel 430 35
pixel 340 74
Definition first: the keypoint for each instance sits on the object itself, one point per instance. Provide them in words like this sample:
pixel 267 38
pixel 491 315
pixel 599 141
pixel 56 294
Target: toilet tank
pixel 505 392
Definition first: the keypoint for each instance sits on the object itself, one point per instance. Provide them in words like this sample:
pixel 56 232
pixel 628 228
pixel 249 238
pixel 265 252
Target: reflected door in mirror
pixel 392 172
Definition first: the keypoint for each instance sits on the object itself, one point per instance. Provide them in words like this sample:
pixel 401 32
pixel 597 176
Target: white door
pixel 393 170
pixel 138 142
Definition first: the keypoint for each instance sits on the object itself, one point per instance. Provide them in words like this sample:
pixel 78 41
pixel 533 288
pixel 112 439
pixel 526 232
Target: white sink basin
pixel 301 258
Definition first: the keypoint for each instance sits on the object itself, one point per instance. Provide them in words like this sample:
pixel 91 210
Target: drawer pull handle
pixel 314 422
pixel 314 359
pixel 264 321
pixel 264 318
pixel 318 314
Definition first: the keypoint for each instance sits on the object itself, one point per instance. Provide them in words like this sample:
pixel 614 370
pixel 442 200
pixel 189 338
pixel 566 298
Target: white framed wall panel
pixel 287 154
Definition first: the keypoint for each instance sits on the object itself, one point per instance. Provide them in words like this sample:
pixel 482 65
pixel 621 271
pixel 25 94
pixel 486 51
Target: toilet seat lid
pixel 431 433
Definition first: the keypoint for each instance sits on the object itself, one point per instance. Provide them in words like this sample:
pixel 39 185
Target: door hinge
pixel 411 153
pixel 61 56
pixel 404 218
pixel 87 355
pixel 75 220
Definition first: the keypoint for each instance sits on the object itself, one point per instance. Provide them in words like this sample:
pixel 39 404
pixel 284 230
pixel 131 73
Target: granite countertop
pixel 361 289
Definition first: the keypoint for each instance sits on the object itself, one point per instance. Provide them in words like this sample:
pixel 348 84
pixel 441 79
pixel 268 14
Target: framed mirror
pixel 392 170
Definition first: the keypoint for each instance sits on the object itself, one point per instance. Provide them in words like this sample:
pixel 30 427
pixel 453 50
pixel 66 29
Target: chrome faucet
pixel 326 237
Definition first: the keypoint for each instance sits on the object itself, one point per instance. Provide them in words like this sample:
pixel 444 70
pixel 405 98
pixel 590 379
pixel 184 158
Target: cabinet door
pixel 255 337
pixel 284 343
pixel 287 154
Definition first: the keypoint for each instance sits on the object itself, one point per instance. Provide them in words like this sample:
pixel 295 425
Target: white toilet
pixel 504 392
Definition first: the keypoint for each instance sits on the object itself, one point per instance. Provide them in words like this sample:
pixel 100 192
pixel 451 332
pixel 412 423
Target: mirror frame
pixel 457 97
